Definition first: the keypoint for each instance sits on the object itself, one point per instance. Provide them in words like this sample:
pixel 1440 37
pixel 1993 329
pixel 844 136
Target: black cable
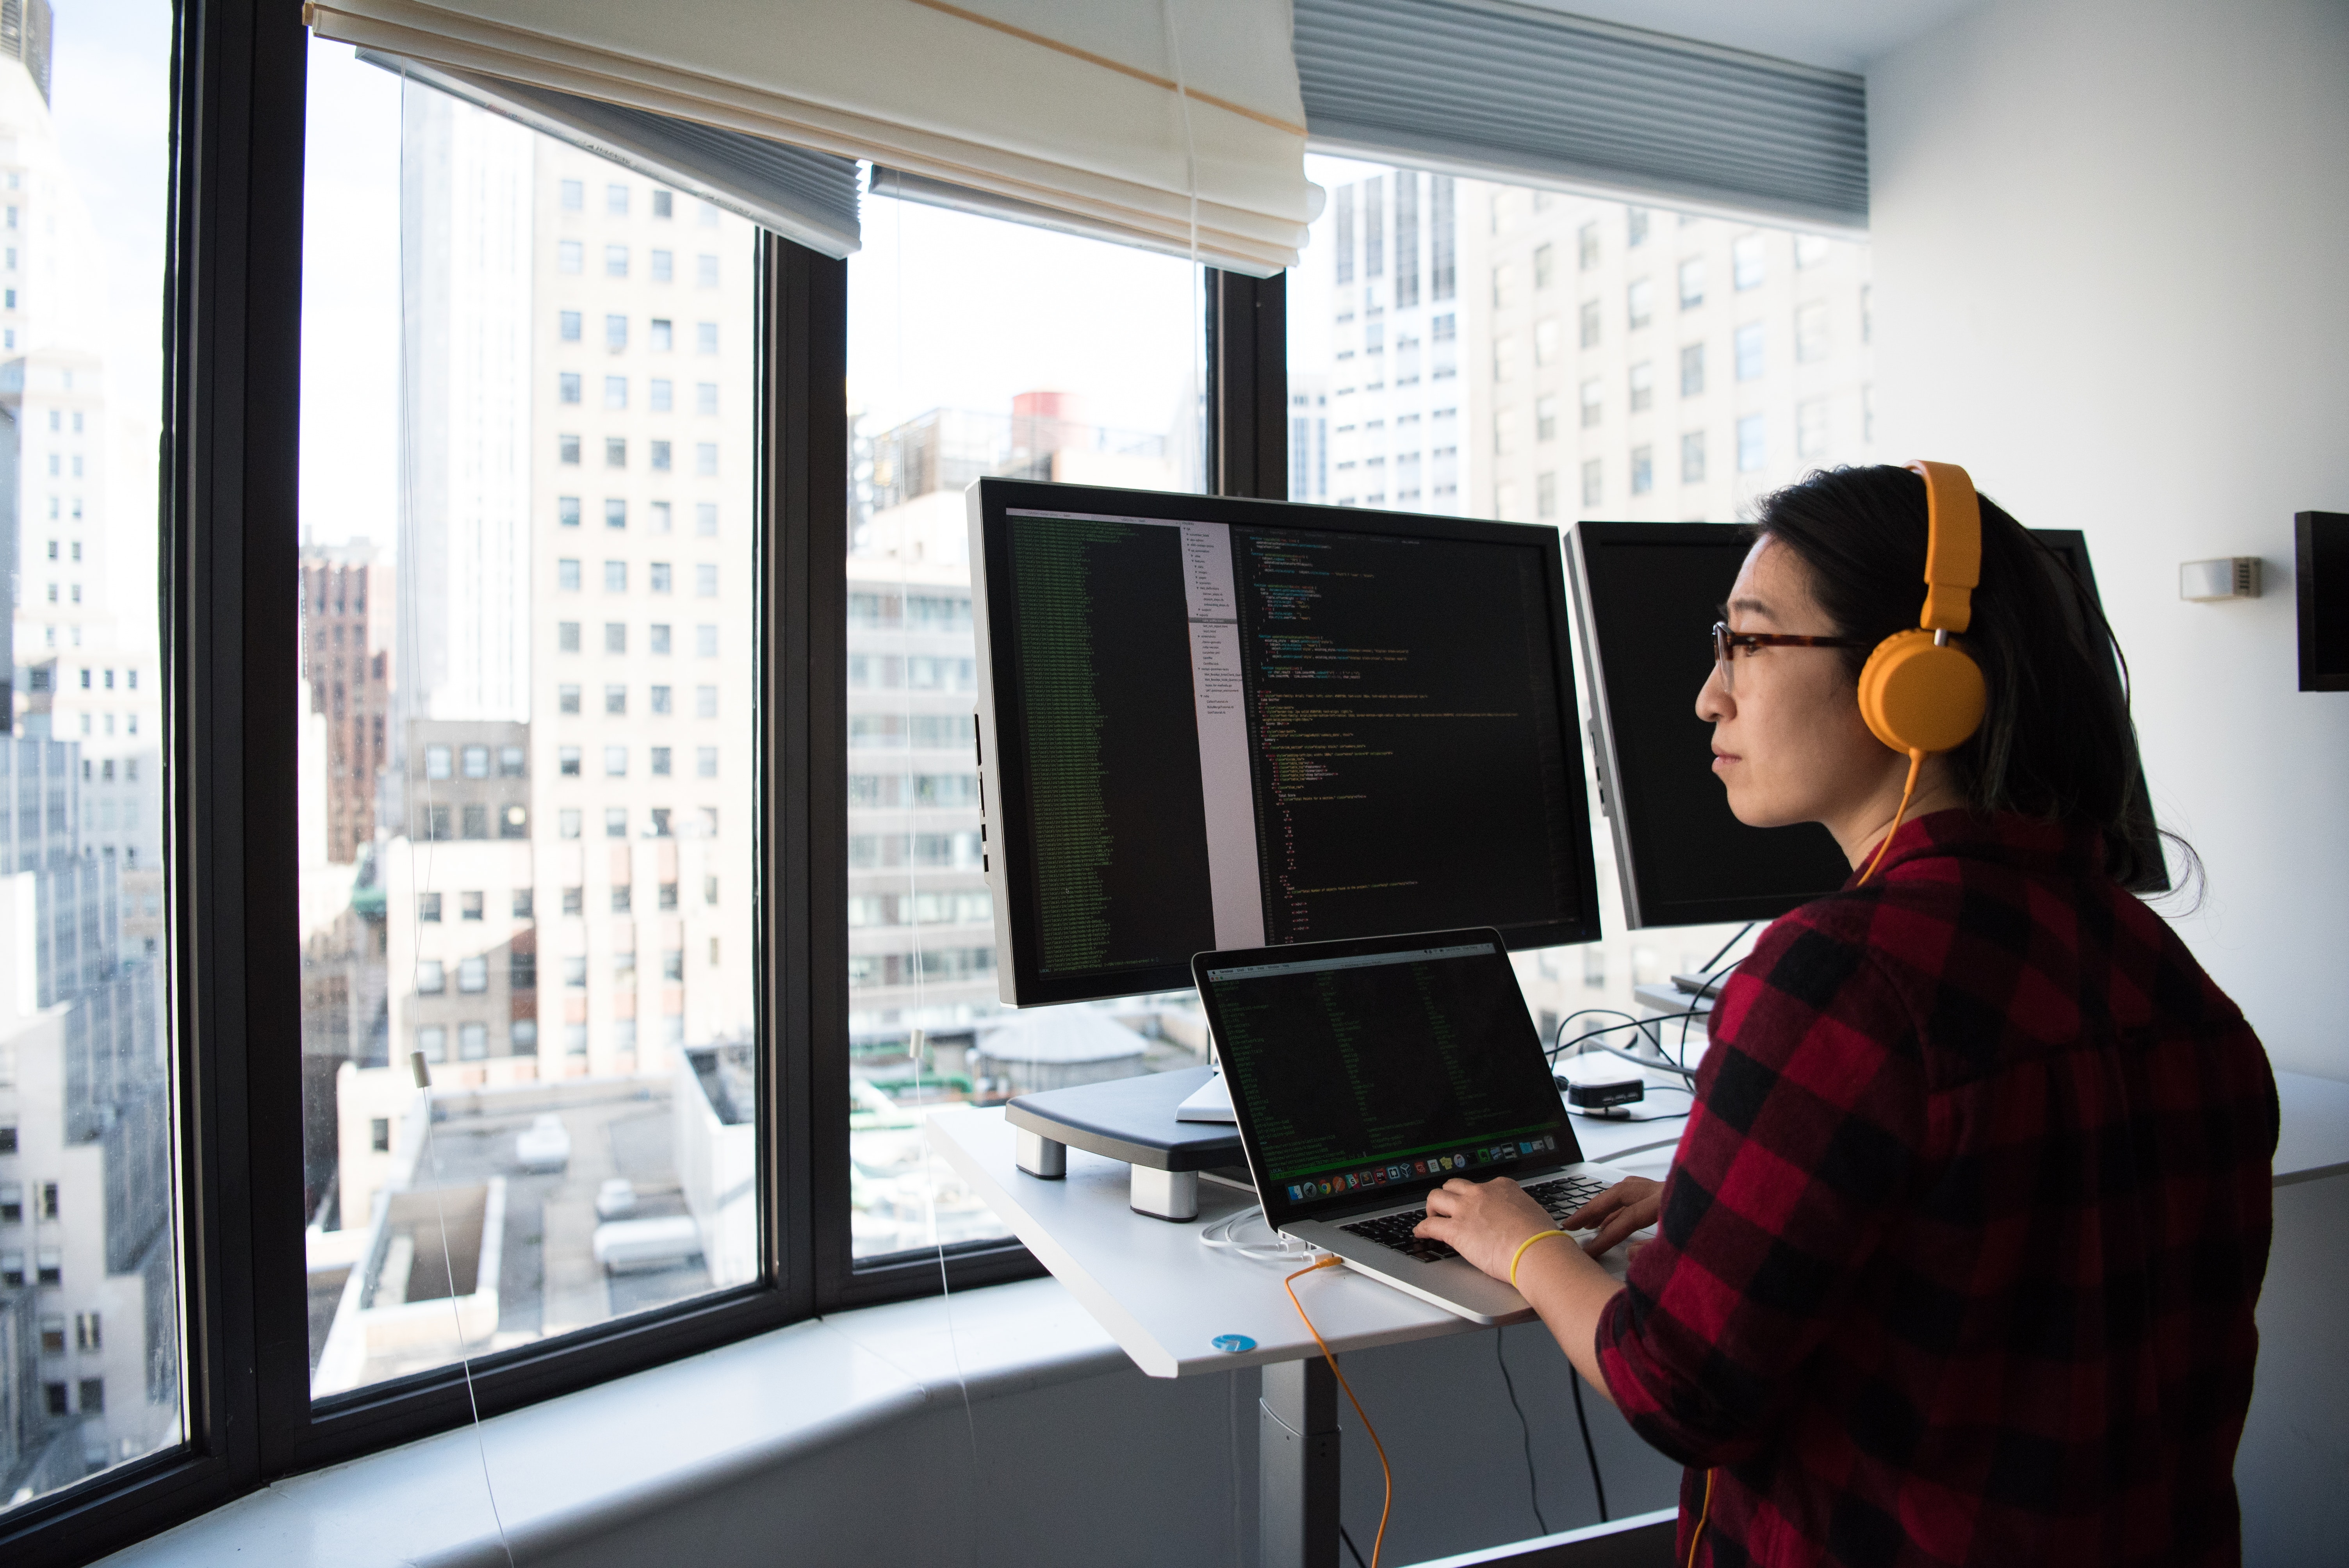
pixel 1351 1547
pixel 1533 1487
pixel 1590 1450
pixel 1661 1062
pixel 1725 946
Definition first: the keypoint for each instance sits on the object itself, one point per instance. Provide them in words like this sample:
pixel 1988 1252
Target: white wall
pixel 2109 241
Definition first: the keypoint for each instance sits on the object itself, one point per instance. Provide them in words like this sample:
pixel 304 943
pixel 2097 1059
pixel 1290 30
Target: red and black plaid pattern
pixel 1957 1259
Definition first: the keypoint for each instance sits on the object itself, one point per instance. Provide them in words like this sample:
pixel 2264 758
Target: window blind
pixel 1493 89
pixel 809 197
pixel 1164 119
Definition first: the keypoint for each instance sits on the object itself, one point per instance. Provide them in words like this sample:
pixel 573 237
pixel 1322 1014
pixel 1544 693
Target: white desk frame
pixel 1164 1298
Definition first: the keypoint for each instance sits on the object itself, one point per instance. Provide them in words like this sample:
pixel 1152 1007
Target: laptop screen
pixel 1354 1069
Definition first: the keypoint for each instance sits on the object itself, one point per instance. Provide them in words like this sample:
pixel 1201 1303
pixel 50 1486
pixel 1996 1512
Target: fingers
pixel 1621 1224
pixel 1595 1209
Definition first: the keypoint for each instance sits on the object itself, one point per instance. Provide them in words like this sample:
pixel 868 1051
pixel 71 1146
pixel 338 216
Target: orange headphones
pixel 1919 693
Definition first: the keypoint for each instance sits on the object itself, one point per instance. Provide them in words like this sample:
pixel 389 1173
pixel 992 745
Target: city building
pixel 346 618
pixel 1398 405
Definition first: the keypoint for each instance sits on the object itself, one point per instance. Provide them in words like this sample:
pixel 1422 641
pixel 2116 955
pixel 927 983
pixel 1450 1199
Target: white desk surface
pixel 1160 1294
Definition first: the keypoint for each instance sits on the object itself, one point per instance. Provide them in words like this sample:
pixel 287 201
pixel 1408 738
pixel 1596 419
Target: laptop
pixel 1364 1074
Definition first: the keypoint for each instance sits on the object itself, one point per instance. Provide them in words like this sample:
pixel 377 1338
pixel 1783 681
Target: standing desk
pixel 1165 1298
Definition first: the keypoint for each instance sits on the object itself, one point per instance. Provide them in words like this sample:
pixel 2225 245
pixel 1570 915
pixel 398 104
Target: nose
pixel 1713 701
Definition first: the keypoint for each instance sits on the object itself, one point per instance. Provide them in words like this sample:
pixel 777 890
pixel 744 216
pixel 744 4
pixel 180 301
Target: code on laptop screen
pixel 1373 1068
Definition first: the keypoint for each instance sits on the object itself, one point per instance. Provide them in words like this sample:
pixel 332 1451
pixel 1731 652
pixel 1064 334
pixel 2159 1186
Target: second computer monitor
pixel 1647 595
pixel 1213 723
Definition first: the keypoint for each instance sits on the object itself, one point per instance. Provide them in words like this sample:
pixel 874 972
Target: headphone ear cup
pixel 1916 697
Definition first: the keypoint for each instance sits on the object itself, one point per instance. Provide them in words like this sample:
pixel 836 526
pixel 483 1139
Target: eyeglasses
pixel 1726 642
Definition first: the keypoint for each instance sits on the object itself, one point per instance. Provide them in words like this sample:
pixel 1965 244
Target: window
pixel 1693 370
pixel 566 761
pixel 657 334
pixel 1545 265
pixel 1635 226
pixel 1546 341
pixel 1504 286
pixel 660 699
pixel 380 1134
pixel 1693 283
pixel 1589 324
pixel 615 332
pixel 615 199
pixel 615 636
pixel 566 575
pixel 570 256
pixel 1643 386
pixel 657 576
pixel 567 325
pixel 431 978
pixel 661 463
pixel 616 822
pixel 476 761
pixel 661 201
pixel 615 763
pixel 615 261
pixel 427 906
pixel 615 394
pixel 616 452
pixel 1749 351
pixel 705 337
pixel 705 519
pixel 1810 250
pixel 567 636
pixel 1643 469
pixel 616 577
pixel 574 195
pixel 705 459
pixel 1811 430
pixel 664 264
pixel 1546 496
pixel 706 762
pixel 566 510
pixel 566 450
pixel 1641 300
pixel 1590 482
pixel 436 762
pixel 1811 333
pixel 1592 403
pixel 705 641
pixel 705 581
pixel 569 828
pixel 1745 263
pixel 657 634
pixel 660 394
pixel 1544 418
pixel 660 761
pixel 661 517
pixel 615 700
pixel 1692 457
pixel 1753 450
pixel 472 975
pixel 705 397
pixel 567 387
pixel 705 271
pixel 1586 246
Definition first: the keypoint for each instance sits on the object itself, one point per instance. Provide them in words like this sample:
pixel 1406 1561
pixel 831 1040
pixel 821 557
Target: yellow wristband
pixel 1529 1241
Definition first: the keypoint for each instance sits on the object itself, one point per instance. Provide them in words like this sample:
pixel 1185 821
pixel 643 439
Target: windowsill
pixel 576 1465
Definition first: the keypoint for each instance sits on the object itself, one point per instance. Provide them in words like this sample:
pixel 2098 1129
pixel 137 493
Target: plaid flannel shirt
pixel 1957 1259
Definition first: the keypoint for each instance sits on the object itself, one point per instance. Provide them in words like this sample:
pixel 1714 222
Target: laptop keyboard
pixel 1559 1197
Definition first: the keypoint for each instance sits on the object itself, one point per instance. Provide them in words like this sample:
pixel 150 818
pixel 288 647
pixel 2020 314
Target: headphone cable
pixel 1386 1472
pixel 1915 766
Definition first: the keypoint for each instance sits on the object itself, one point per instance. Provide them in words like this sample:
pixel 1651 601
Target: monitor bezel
pixel 1641 907
pixel 1005 845
pixel 1279 1208
pixel 2316 594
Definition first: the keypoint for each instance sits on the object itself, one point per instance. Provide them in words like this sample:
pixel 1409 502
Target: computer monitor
pixel 1646 596
pixel 1212 723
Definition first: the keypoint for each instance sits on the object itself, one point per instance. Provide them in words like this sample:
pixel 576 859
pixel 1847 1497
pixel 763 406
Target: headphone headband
pixel 1952 547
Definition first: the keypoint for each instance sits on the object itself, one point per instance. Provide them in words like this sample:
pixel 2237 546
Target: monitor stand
pixel 1135 1119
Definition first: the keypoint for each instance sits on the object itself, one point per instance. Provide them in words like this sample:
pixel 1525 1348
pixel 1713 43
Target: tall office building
pixel 347 617
pixel 570 894
pixel 1397 406
pixel 1309 437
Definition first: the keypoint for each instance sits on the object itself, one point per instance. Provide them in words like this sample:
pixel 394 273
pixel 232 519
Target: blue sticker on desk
pixel 1233 1343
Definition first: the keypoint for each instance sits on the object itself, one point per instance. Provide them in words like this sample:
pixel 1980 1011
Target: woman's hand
pixel 1631 1204
pixel 1484 1221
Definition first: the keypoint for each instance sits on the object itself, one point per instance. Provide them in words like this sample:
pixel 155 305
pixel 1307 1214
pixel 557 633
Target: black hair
pixel 2056 742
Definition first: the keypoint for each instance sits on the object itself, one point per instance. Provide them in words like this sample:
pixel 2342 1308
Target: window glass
pixel 446 295
pixel 1624 424
pixel 975 347
pixel 87 1228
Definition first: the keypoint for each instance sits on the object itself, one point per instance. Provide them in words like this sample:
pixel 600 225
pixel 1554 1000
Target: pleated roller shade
pixel 1174 122
pixel 1495 90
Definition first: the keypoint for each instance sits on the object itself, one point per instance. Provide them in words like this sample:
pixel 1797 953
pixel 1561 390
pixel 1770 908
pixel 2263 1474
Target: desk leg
pixel 1297 1465
pixel 1040 1156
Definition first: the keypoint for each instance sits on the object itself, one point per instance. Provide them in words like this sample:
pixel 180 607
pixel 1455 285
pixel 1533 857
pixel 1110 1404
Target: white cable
pixel 1279 1249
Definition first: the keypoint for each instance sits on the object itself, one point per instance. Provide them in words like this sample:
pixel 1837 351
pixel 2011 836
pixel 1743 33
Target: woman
pixel 1956 1258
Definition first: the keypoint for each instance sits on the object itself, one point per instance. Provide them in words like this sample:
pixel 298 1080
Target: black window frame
pixel 228 486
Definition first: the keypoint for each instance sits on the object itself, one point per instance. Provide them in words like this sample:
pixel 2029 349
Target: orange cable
pixel 1703 1514
pixel 1386 1474
pixel 1915 766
